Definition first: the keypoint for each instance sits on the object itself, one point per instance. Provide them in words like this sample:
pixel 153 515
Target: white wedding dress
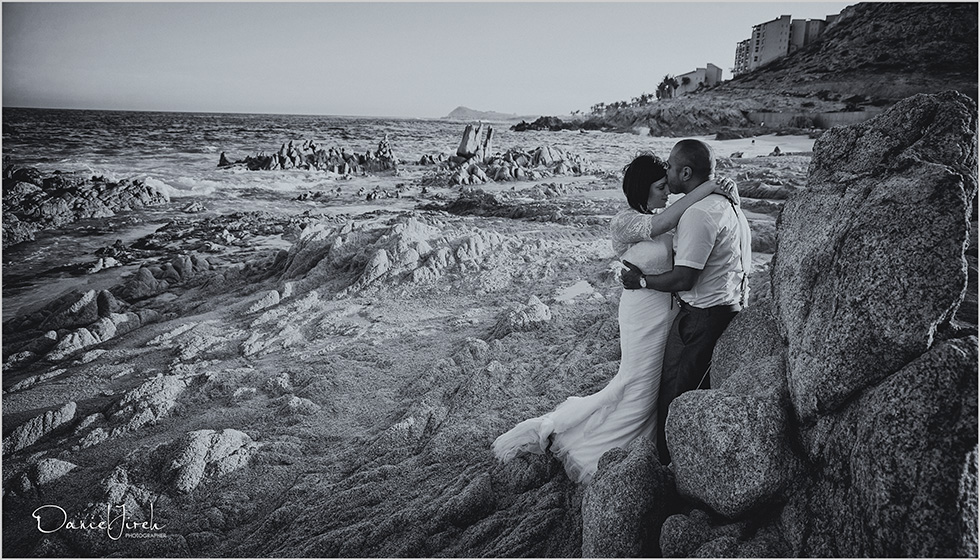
pixel 581 429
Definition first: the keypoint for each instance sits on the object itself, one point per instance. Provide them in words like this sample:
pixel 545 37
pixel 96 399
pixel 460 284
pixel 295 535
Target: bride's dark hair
pixel 642 172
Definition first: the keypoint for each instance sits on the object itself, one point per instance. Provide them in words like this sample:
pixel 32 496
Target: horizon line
pixel 220 112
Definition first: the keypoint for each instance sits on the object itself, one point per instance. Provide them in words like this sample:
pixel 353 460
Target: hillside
pixel 874 55
pixel 882 52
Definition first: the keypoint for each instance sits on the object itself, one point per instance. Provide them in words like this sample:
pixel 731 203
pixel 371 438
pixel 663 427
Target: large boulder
pixel 729 452
pixel 883 384
pixel 470 142
pixel 626 503
pixel 899 466
pixel 861 355
pixel 750 357
pixel 862 291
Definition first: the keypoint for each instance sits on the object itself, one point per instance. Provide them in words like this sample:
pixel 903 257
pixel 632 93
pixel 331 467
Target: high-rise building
pixel 775 39
pixel 742 52
pixel 803 32
pixel 770 40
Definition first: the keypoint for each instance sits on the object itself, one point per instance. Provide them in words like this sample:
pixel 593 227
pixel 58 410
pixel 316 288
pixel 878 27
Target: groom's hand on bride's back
pixel 631 277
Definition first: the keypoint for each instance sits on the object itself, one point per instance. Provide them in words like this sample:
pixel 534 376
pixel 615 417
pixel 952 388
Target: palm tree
pixel 667 87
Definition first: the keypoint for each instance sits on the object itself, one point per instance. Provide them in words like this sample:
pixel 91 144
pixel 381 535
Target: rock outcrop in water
pixel 310 155
pixel 553 124
pixel 845 418
pixel 475 164
pixel 475 143
pixel 33 201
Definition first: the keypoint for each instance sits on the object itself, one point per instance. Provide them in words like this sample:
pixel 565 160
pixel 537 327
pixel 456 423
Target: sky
pixel 398 59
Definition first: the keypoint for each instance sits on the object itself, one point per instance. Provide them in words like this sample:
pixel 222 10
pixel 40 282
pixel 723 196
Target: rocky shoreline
pixel 33 201
pixel 714 114
pixel 338 396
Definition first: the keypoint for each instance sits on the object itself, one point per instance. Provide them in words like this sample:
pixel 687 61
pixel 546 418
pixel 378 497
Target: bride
pixel 581 429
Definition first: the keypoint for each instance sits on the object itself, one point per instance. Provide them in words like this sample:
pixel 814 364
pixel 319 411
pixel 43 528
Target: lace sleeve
pixel 630 227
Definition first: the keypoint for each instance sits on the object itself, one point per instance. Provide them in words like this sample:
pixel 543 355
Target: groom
pixel 712 258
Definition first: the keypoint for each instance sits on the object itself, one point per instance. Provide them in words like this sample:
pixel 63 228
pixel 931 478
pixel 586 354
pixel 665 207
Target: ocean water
pixel 179 153
pixel 180 150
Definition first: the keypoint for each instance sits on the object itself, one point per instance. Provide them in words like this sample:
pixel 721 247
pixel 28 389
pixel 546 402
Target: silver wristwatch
pixel 643 280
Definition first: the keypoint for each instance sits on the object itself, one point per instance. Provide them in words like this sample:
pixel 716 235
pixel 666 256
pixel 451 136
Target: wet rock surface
pixel 33 201
pixel 310 155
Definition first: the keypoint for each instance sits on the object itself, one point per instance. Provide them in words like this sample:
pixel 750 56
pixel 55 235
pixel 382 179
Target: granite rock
pixel 206 453
pixel 626 503
pixel 896 191
pixel 898 466
pixel 36 428
pixel 141 406
pixel 309 155
pixel 729 451
pixel 531 315
pixel 750 357
pixel 33 201
pixel 48 470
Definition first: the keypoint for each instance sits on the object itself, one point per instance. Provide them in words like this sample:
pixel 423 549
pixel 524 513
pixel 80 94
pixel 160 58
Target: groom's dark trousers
pixel 687 358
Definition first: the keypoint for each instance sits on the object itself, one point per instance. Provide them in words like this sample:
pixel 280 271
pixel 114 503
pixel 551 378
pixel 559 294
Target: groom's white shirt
pixel 713 238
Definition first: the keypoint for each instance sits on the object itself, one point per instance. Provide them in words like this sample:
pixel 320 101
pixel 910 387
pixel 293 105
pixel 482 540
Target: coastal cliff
pixel 874 55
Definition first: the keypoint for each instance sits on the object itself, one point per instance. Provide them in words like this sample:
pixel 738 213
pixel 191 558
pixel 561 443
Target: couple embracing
pixel 685 278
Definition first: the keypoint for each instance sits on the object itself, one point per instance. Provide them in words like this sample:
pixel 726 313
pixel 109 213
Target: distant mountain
pixel 466 114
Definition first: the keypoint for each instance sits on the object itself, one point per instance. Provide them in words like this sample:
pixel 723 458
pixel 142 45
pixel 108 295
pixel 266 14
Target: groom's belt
pixel 731 308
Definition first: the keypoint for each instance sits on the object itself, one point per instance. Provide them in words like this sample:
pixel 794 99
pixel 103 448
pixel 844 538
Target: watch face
pixel 643 281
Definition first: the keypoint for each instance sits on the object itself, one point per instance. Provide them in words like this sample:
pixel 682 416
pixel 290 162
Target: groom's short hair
pixel 698 156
